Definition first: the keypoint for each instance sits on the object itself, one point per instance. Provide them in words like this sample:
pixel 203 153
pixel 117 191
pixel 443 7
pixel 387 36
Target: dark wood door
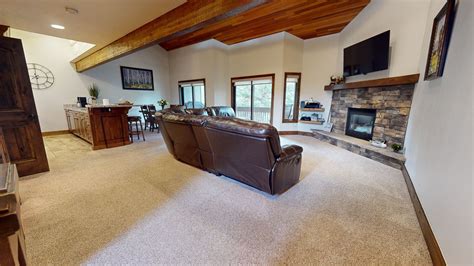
pixel 18 116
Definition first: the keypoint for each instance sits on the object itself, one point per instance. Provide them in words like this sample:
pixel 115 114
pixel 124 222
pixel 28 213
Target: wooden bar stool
pixel 135 120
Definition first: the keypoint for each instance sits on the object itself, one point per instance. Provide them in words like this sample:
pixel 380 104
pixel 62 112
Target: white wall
pixel 405 19
pixel 257 57
pixel 206 60
pixel 319 65
pixel 439 139
pixel 56 53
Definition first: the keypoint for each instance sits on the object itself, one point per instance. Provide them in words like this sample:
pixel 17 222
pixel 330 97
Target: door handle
pixel 31 116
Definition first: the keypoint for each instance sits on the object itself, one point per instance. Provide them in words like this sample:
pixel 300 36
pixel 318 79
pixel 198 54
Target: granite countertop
pixel 74 107
pixel 108 106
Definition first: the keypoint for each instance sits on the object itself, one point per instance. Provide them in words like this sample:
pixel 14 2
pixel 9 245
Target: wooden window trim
pixel 181 100
pixel 297 98
pixel 232 91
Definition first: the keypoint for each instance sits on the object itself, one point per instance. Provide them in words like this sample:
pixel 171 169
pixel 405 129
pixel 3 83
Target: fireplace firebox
pixel 360 123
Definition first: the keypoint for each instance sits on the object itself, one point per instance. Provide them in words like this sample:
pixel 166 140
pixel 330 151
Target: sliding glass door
pixel 192 93
pixel 253 97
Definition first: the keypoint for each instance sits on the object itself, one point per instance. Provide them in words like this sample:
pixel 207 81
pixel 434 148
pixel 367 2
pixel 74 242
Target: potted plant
pixel 163 103
pixel 93 92
pixel 396 147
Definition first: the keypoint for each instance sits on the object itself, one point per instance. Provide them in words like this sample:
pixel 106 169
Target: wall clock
pixel 40 76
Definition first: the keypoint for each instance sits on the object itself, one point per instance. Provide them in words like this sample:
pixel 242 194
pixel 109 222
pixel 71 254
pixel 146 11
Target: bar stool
pixel 135 120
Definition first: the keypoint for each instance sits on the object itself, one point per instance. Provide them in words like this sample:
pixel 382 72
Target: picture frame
pixel 136 78
pixel 439 42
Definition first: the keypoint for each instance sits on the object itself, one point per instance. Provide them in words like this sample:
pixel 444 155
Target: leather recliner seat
pixel 247 151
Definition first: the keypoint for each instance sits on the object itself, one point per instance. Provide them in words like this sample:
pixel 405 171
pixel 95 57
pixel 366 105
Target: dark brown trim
pixel 430 239
pixel 302 133
pixel 3 29
pixel 297 99
pixel 391 81
pixel 287 133
pixel 189 81
pixel 53 133
pixel 232 91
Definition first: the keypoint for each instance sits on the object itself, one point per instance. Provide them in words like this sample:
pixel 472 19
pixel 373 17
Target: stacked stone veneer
pixel 392 105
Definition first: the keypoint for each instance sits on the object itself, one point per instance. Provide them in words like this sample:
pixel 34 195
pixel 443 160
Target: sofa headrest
pixel 197 111
pixel 246 127
pixel 223 111
pixel 197 120
pixel 180 109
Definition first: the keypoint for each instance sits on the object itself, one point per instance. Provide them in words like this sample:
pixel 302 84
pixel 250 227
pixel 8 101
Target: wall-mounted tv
pixel 367 56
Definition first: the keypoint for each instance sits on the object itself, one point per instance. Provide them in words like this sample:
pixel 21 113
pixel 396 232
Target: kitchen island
pixel 103 126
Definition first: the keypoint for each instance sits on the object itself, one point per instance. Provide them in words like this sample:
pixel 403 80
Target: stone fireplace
pixel 389 106
pixel 360 123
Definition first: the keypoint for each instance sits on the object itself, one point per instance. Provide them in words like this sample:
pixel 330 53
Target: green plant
pixel 396 147
pixel 93 90
pixel 163 102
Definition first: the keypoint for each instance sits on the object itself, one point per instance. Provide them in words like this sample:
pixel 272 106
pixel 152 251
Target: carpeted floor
pixel 137 205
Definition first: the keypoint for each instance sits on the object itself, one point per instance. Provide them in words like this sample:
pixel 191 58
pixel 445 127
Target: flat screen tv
pixel 367 56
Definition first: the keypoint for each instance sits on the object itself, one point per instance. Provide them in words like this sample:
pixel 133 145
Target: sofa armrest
pixel 286 170
pixel 288 151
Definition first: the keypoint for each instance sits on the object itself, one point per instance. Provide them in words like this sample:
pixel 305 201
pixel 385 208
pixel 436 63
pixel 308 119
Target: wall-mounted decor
pixel 136 78
pixel 440 35
pixel 40 76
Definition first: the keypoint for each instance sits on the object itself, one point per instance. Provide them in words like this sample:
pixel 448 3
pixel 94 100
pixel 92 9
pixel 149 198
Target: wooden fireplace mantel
pixel 391 81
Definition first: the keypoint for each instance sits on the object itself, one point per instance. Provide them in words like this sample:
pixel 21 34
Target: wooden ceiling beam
pixel 301 18
pixel 186 18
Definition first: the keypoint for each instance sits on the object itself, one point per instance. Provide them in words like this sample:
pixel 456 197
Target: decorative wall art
pixel 136 78
pixel 440 35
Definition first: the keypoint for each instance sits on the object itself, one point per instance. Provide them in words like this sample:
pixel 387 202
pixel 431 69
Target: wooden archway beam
pixel 188 17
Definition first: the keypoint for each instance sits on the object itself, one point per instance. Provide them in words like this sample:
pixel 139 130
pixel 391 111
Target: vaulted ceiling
pixel 230 22
pixel 303 18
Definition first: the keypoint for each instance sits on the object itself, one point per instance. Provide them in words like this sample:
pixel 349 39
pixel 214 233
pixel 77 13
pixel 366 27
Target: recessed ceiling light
pixel 56 26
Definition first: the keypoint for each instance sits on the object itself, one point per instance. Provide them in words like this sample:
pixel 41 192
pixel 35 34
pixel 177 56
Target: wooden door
pixel 18 117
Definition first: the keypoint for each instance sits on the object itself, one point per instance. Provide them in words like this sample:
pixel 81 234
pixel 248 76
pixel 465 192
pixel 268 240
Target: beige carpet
pixel 137 205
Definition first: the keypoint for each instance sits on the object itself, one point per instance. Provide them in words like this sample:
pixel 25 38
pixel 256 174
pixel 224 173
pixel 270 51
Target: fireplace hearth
pixel 360 123
pixel 392 104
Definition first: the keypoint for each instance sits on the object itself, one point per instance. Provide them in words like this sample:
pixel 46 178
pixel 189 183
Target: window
pixel 291 97
pixel 192 93
pixel 252 97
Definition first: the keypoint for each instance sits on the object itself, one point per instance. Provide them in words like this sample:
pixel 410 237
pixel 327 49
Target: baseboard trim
pixel 53 133
pixel 303 133
pixel 430 239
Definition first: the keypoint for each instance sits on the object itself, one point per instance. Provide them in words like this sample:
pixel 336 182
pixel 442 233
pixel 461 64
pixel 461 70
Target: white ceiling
pixel 99 22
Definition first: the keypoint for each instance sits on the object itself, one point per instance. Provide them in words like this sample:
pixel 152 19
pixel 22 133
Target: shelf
pixel 312 110
pixel 312 122
pixel 392 81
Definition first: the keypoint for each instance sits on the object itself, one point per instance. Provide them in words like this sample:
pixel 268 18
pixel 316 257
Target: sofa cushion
pixel 197 111
pixel 223 111
pixel 180 109
pixel 247 127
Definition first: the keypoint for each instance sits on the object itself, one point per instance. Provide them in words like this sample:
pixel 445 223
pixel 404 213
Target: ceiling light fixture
pixel 56 26
pixel 72 10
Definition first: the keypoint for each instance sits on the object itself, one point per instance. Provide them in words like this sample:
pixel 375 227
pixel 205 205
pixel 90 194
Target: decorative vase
pixel 93 100
pixel 163 107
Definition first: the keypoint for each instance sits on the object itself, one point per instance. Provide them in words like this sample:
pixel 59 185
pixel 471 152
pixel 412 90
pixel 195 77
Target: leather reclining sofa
pixel 215 140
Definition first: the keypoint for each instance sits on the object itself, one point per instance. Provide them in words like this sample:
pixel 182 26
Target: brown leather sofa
pixel 246 151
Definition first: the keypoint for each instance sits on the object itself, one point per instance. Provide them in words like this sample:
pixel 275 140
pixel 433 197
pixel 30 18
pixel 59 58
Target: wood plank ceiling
pixel 231 22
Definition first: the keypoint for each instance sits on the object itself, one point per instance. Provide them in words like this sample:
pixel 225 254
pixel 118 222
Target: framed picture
pixel 136 78
pixel 440 34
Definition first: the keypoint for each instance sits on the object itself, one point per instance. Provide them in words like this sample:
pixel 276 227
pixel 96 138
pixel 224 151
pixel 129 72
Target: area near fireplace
pixel 391 104
pixel 371 110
